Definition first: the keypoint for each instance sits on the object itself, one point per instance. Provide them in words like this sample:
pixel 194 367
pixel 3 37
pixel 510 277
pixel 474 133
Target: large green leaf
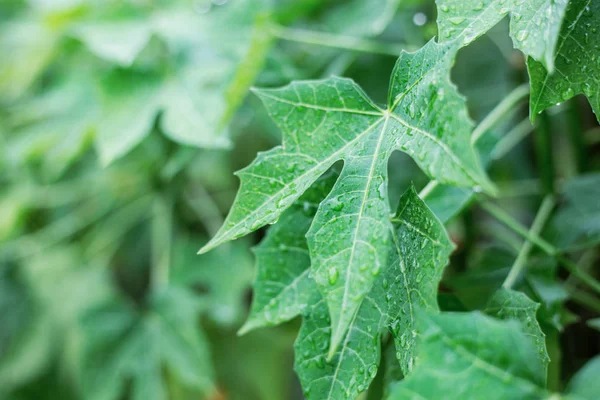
pixel 330 120
pixel 284 289
pixel 410 282
pixel 121 344
pixel 576 60
pixel 472 356
pixel 534 24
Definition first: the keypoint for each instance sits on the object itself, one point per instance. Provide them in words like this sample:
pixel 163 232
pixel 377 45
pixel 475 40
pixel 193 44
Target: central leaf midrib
pixel 359 218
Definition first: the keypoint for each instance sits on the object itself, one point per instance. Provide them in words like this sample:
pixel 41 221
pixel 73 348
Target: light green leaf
pixel 330 120
pixel 510 304
pixel 118 41
pixel 534 24
pixel 122 344
pixel 576 59
pixel 130 104
pixel 585 383
pixel 472 356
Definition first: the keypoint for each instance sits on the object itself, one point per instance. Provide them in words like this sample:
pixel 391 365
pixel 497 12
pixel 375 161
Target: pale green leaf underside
pixel 577 61
pixel 534 24
pixel 509 304
pixel 331 120
pixel 284 290
pixel 472 356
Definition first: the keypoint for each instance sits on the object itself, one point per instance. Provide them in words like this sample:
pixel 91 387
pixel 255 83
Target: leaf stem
pixel 538 223
pixel 335 41
pixel 545 246
pixel 499 112
pixel 161 241
pixel 512 138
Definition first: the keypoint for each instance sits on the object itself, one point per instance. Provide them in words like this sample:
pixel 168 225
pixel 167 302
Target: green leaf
pixel 510 304
pixel 409 282
pixel 116 41
pixel 594 323
pixel 472 356
pixel 283 288
pixel 578 218
pixel 585 383
pixel 121 344
pixel 221 278
pixel 329 120
pixel 129 93
pixel 534 24
pixel 576 60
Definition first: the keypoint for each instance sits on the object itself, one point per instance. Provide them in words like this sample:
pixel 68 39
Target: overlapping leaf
pixel 471 356
pixel 330 120
pixel 577 61
pixel 534 24
pixel 284 290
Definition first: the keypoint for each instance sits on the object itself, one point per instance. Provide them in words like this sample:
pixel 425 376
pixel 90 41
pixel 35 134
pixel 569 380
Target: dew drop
pixel 333 275
pixel 522 35
pixel 456 20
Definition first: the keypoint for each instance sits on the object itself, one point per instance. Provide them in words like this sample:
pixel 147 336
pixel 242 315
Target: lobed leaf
pixel 470 356
pixel 534 24
pixel 284 289
pixel 331 120
pixel 510 304
pixel 576 60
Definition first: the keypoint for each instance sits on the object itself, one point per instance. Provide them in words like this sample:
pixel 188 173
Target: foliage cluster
pixel 431 238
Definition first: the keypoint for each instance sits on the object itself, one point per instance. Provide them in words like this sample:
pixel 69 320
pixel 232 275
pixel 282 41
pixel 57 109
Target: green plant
pixel 397 205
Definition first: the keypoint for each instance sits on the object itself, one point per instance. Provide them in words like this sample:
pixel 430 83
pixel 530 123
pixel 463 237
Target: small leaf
pixel 509 304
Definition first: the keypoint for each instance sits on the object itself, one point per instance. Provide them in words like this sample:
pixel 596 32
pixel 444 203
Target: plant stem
pixel 538 223
pixel 205 208
pixel 545 246
pixel 161 241
pixel 335 41
pixel 499 112
pixel 511 139
pixel 543 152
